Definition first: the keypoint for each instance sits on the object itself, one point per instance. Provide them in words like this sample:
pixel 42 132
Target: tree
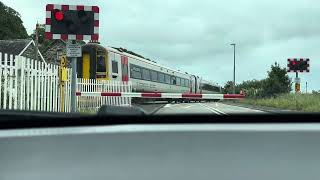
pixel 315 92
pixel 228 87
pixel 11 25
pixel 253 88
pixel 277 82
pixel 44 43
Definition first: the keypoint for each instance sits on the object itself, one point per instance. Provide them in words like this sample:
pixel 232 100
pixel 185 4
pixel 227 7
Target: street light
pixel 234 67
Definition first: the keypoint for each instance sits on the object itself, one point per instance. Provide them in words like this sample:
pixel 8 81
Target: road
pixel 205 108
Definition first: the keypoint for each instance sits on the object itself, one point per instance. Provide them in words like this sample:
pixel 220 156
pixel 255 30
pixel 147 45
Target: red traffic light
pixel 72 22
pixel 59 15
pixel 294 63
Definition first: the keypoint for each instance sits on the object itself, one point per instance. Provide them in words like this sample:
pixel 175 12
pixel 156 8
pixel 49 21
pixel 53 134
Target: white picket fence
pixel 92 104
pixel 32 85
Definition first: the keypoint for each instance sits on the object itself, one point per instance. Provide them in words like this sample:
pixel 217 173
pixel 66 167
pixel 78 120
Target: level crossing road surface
pixel 205 108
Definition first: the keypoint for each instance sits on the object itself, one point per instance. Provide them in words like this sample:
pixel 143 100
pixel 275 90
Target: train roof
pixel 140 58
pixel 116 50
pixel 93 45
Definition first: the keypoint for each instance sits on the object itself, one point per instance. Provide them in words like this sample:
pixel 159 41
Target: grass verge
pixel 299 102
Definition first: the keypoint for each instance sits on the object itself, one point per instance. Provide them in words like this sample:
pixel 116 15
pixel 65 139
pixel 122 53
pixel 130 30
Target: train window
pixel 167 79
pixel 154 76
pixel 135 72
pixel 182 82
pixel 173 80
pixel 161 77
pixel 146 74
pixel 187 83
pixel 178 81
pixel 114 67
pixel 101 64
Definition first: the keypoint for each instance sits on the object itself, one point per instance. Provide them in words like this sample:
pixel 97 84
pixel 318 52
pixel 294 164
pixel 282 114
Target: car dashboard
pixel 157 147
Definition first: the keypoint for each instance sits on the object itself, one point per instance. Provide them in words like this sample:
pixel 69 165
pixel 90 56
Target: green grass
pixel 299 102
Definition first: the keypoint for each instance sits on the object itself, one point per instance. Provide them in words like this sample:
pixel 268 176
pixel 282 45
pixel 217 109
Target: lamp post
pixel 234 67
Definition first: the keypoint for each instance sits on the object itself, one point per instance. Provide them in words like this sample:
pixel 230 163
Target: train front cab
pixel 94 63
pixel 119 66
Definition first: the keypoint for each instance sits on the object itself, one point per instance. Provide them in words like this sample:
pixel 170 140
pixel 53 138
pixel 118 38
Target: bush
pixel 299 102
pixel 277 82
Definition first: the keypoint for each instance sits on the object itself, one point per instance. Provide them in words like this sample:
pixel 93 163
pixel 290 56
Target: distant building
pixel 54 51
pixel 20 47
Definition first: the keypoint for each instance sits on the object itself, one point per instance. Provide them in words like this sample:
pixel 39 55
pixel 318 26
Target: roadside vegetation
pixel 297 102
pixel 275 91
pixel 11 25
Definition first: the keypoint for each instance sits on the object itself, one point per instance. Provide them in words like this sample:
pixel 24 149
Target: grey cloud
pixel 194 36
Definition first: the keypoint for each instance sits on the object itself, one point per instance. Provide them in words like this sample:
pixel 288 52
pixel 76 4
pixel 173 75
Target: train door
pixel 84 67
pixel 102 72
pixel 124 68
pixel 115 68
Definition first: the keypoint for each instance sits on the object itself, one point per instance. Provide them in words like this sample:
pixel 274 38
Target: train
pixel 118 64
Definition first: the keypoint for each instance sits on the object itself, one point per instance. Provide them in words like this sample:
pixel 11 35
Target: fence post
pixel 22 98
pixel 27 84
pixel 36 85
pixel 1 66
pixel 5 91
pixel 31 84
pixel 38 81
pixel 49 93
pixel 55 88
pixel 15 104
pixel 10 80
pixel 45 95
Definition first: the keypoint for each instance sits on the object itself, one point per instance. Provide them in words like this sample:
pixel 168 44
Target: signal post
pixel 298 65
pixel 63 77
pixel 72 23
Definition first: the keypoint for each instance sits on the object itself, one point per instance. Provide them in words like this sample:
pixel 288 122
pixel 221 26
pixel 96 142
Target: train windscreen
pixel 101 65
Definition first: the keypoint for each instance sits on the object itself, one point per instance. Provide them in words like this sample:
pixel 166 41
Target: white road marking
pixel 187 107
pixel 170 105
pixel 208 108
pixel 214 109
pixel 174 105
pixel 238 109
pixel 218 110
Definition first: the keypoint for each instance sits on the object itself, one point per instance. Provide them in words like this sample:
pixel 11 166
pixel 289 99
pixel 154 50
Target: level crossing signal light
pixel 58 15
pixel 72 22
pixel 67 22
pixel 298 65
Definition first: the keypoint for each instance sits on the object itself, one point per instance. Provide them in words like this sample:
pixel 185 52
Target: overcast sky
pixel 195 36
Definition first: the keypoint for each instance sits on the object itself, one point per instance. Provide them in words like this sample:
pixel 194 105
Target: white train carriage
pixel 145 75
pixel 118 64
